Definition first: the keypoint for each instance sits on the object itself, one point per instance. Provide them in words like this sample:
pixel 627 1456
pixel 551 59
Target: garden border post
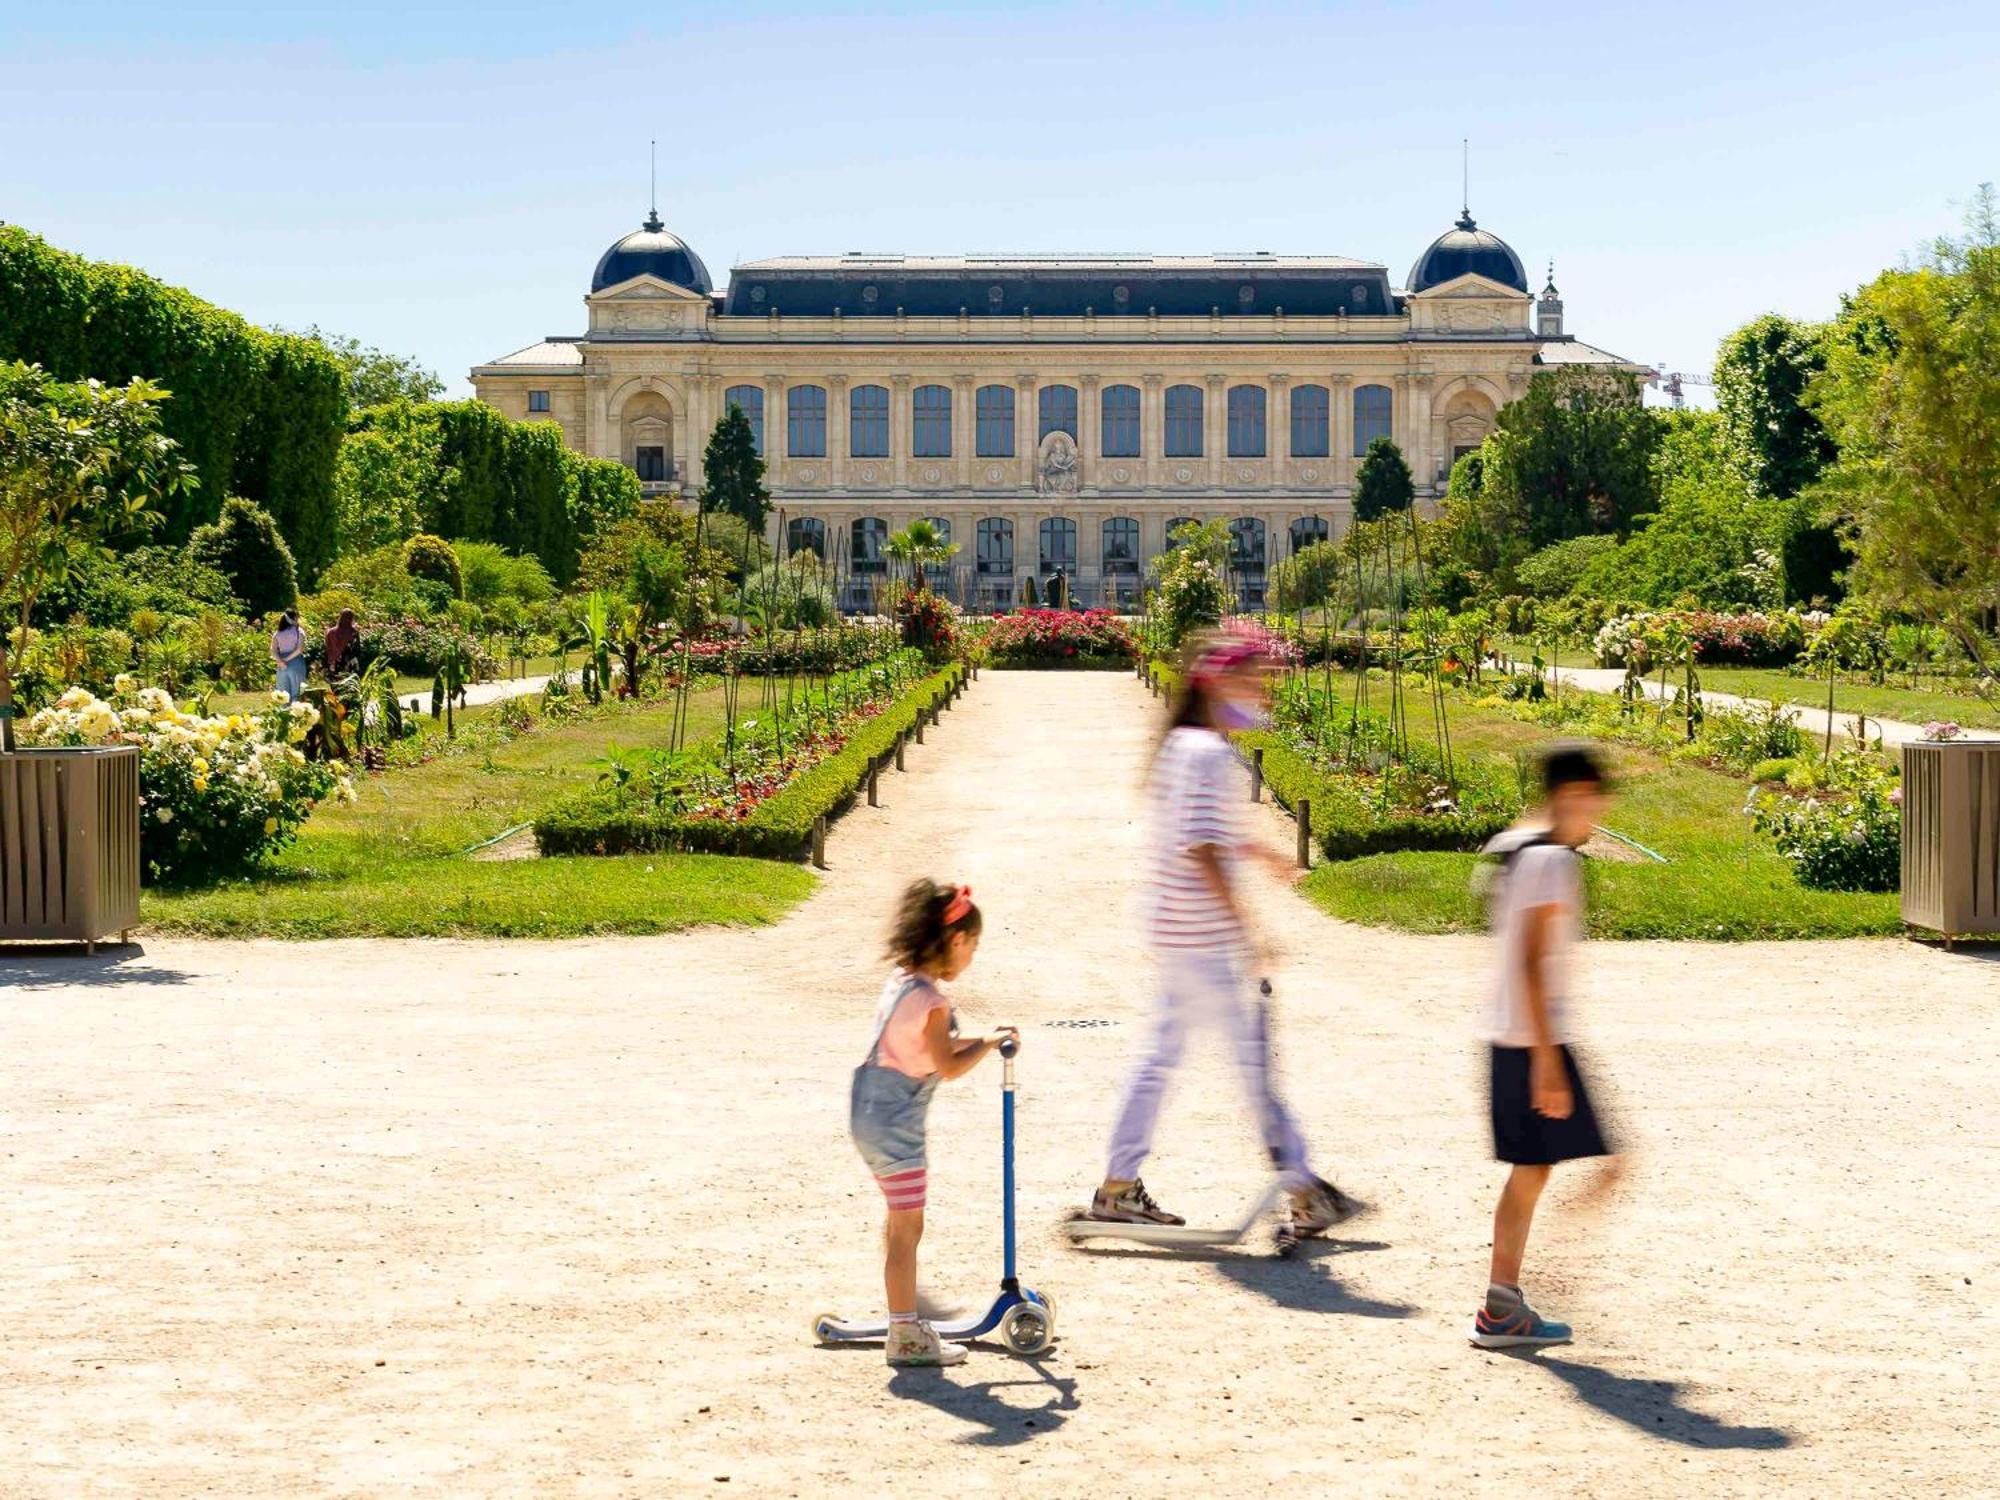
pixel 1303 812
pixel 1257 773
pixel 819 842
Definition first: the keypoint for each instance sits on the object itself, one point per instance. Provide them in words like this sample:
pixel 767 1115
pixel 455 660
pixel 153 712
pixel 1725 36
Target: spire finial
pixel 1465 183
pixel 653 224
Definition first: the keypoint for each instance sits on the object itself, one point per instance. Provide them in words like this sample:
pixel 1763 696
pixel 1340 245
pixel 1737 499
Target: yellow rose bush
pixel 217 796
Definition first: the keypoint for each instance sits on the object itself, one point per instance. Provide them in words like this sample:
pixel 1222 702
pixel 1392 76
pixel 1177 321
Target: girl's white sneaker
pixel 917 1344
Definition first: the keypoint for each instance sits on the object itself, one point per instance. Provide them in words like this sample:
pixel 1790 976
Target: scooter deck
pixel 1181 1236
pixel 833 1330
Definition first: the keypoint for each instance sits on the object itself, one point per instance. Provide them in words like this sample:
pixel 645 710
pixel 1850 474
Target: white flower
pixel 164 815
pixel 278 699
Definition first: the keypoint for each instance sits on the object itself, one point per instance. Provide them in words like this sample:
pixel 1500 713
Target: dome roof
pixel 1466 249
pixel 651 251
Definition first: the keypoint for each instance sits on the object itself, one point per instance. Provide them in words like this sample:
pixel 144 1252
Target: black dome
pixel 651 250
pixel 1468 250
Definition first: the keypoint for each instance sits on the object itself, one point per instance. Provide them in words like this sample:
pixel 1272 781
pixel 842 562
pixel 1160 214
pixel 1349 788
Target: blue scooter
pixel 1026 1319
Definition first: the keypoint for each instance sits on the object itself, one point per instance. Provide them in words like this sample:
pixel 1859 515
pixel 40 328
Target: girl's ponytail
pixel 926 919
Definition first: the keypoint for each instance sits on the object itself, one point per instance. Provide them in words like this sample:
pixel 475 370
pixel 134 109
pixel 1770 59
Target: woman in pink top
pixel 935 935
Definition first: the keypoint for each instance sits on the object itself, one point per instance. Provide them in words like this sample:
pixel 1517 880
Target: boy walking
pixel 1541 1111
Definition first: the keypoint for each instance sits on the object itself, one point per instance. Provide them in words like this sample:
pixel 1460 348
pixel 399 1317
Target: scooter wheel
pixel 1028 1328
pixel 820 1321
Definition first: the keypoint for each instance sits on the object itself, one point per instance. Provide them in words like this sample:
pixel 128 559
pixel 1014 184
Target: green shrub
pixel 1776 769
pixel 1345 824
pixel 489 573
pixel 1559 568
pixel 244 546
pixel 430 557
pixel 1851 841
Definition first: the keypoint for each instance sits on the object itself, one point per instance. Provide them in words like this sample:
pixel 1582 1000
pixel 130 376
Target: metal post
pixel 1304 814
pixel 1257 774
pixel 819 842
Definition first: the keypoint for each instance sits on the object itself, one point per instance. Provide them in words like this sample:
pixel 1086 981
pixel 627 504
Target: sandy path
pixel 508 1219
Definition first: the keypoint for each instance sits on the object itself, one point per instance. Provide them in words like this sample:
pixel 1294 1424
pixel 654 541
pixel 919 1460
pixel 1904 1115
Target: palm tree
pixel 920 546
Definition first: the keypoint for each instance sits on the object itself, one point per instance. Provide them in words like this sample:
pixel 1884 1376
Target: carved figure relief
pixel 1058 474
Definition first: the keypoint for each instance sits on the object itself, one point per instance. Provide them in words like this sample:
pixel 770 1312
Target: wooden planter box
pixel 69 844
pixel 1951 836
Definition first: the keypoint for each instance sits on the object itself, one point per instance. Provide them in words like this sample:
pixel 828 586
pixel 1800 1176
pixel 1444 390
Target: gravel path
pixel 467 1219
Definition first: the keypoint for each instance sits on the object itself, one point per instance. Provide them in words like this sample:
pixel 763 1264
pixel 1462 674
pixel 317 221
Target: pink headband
pixel 1225 658
pixel 960 904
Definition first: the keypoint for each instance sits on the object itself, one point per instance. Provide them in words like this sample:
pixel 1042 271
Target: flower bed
pixel 1087 638
pixel 766 809
pixel 1753 639
pixel 217 796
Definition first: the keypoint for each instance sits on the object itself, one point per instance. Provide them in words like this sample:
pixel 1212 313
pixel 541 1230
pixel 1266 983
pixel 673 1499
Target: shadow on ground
pixel 39 968
pixel 1654 1407
pixel 1305 1283
pixel 1001 1424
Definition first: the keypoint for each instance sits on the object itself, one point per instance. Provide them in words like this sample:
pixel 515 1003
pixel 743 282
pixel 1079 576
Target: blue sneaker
pixel 1523 1328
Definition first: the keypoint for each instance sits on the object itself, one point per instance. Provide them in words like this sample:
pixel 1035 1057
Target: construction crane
pixel 1674 383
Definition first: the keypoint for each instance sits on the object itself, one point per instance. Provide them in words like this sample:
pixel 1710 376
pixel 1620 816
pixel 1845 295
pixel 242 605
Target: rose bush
pixel 1061 638
pixel 1849 841
pixel 217 796
pixel 1752 639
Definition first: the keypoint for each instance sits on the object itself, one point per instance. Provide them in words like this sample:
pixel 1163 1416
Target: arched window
pixel 868 421
pixel 1120 435
pixel 1059 545
pixel 1183 421
pixel 1058 403
pixel 805 421
pixel 1121 545
pixel 993 425
pixel 751 399
pixel 1246 561
pixel 930 421
pixel 868 538
pixel 1311 436
pixel 1308 529
pixel 1246 421
pixel 806 534
pixel 995 547
pixel 1175 525
pixel 1374 415
pixel 939 573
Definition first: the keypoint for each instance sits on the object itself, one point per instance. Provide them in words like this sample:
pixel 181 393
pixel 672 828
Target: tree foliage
pixel 244 546
pixel 374 376
pixel 427 556
pixel 1382 484
pixel 1775 440
pixel 1307 579
pixel 1573 456
pixel 733 474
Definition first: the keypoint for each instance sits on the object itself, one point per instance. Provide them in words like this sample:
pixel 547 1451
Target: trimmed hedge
pixel 599 822
pixel 257 414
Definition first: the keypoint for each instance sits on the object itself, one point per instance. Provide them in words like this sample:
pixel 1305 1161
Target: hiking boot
pixel 1323 1206
pixel 917 1344
pixel 1132 1206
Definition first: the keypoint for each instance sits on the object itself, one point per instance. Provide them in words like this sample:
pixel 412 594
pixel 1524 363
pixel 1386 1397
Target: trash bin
pixel 69 844
pixel 1951 836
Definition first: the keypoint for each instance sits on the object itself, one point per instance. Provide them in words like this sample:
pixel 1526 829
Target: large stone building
pixel 1051 412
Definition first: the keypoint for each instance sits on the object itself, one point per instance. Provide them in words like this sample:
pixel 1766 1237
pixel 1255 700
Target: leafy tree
pixel 385 483
pixel 1382 484
pixel 1191 593
pixel 491 573
pixel 426 556
pixel 1560 568
pixel 373 376
pixel 1912 396
pixel 734 474
pixel 1776 441
pixel 78 464
pixel 1307 579
pixel 1573 456
pixel 243 544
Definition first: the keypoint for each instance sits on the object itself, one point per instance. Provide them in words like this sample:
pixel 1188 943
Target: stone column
pixel 1152 429
pixel 837 432
pixel 1423 455
pixel 1278 428
pixel 964 427
pixel 1340 398
pixel 899 431
pixel 1027 386
pixel 1215 426
pixel 1399 425
pixel 1027 550
pixel 774 426
pixel 1089 423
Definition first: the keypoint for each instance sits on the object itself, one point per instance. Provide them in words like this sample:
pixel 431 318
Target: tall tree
pixel 1762 373
pixel 1382 484
pixel 1573 456
pixel 374 376
pixel 734 474
pixel 79 465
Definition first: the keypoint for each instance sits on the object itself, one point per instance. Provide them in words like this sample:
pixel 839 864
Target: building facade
pixel 1051 413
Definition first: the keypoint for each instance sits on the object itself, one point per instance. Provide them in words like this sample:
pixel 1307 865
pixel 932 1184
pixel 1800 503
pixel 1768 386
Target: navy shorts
pixel 1527 1139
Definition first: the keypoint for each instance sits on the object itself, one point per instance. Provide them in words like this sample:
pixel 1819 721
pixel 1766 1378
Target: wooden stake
pixel 819 842
pixel 1257 774
pixel 874 772
pixel 1304 813
pixel 899 752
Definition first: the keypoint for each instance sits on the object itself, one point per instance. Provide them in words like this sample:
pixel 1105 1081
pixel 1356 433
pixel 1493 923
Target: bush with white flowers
pixel 217 795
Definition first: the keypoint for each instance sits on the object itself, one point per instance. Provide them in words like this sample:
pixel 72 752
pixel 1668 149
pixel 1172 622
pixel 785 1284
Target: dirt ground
pixel 468 1219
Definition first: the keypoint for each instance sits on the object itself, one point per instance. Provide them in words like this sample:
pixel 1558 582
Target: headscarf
pixel 341 640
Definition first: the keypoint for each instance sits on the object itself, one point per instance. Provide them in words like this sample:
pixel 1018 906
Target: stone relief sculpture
pixel 1058 472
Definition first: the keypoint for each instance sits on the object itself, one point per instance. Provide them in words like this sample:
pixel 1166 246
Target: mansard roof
pixel 861 285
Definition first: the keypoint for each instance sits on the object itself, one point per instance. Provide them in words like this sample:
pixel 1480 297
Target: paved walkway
pixel 467 1219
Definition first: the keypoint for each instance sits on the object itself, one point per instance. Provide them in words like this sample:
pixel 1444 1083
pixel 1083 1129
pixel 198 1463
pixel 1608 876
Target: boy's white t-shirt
pixel 1542 874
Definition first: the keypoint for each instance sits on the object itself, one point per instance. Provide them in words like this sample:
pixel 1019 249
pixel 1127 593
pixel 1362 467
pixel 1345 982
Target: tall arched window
pixel 1121 545
pixel 995 547
pixel 806 534
pixel 805 421
pixel 868 538
pixel 1311 435
pixel 1059 545
pixel 1246 560
pixel 751 399
pixel 993 424
pixel 1175 525
pixel 1246 421
pixel 1374 415
pixel 1120 435
pixel 1183 421
pixel 1058 403
pixel 930 421
pixel 868 421
pixel 1308 529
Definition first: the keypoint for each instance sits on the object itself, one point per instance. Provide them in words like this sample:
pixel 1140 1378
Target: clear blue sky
pixel 439 179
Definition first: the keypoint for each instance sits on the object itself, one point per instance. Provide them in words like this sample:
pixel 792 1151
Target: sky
pixel 439 179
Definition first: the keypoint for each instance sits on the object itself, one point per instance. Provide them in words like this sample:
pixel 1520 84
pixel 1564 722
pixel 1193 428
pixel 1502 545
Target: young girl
pixel 1198 924
pixel 935 935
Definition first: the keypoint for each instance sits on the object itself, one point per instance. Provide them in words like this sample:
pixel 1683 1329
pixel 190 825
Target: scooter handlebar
pixel 1009 1047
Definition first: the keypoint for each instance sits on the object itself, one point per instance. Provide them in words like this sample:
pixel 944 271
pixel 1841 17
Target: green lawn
pixel 1911 705
pixel 392 864
pixel 1721 881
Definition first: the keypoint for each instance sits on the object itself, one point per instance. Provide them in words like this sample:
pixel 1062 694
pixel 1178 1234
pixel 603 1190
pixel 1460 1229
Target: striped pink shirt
pixel 1196 787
